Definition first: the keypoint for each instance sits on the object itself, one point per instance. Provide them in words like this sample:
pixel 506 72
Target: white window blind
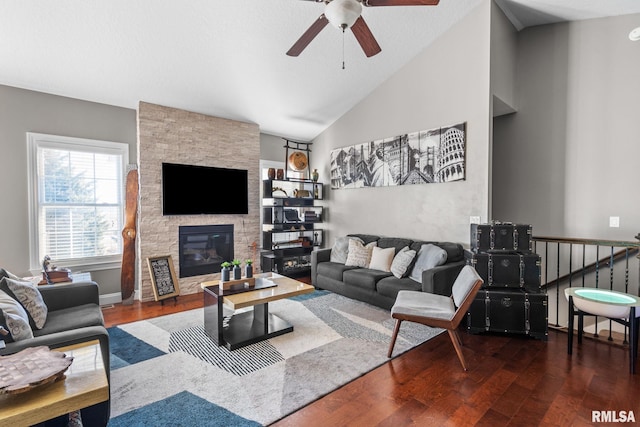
pixel 77 208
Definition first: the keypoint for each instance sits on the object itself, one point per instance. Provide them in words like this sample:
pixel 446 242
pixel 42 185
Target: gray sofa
pixel 381 288
pixel 74 316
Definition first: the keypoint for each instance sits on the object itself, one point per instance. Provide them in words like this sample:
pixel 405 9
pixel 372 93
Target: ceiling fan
pixel 347 14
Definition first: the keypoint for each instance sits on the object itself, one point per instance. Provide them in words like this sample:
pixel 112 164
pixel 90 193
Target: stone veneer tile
pixel 172 135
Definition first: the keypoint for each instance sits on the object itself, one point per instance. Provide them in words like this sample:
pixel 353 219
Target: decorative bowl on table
pixel 603 302
pixel 30 368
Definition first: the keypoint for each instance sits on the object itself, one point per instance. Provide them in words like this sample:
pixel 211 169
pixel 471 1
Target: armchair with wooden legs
pixel 438 311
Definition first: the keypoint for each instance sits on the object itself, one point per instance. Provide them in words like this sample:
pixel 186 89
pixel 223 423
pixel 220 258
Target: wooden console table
pixel 85 385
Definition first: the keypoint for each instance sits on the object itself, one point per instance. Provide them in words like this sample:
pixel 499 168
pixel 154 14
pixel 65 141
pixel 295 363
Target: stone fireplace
pixel 203 248
pixel 176 136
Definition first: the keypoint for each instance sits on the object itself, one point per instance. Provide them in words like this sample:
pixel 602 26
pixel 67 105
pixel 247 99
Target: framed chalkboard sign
pixel 163 277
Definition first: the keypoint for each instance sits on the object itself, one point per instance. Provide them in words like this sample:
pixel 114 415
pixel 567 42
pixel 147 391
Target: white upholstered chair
pixel 438 311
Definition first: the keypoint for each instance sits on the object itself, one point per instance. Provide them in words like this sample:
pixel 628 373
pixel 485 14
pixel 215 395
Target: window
pixel 76 201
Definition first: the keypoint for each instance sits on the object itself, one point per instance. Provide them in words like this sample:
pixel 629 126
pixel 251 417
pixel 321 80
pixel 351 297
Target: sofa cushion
pixel 366 238
pixel 14 320
pixel 340 249
pixel 401 262
pixel 71 318
pixel 455 251
pixel 364 278
pixel 27 294
pixel 396 243
pixel 390 286
pixel 381 258
pixel 359 254
pixel 429 256
pixel 333 270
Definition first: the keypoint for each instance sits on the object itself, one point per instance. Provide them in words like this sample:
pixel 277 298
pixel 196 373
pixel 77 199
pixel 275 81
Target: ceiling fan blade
pixel 365 37
pixel 400 2
pixel 308 36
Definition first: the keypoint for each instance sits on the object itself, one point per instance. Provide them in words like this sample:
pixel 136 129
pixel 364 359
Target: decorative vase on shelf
pixel 271 173
pixel 280 174
pixel 314 175
pixel 248 269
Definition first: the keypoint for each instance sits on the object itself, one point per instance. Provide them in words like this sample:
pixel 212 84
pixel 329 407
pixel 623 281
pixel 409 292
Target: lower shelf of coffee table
pixel 248 328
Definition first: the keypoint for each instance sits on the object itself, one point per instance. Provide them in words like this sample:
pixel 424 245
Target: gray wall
pixel 568 159
pixel 503 62
pixel 24 111
pixel 271 147
pixel 446 84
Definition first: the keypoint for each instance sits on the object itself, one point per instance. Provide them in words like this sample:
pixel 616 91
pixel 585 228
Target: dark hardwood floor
pixel 512 380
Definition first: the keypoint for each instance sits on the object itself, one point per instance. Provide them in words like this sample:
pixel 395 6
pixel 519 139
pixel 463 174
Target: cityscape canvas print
pixel 429 156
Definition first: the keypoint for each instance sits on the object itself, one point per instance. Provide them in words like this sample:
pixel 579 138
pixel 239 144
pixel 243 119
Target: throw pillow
pixel 13 319
pixel 5 273
pixel 340 249
pixel 359 254
pixel 402 261
pixel 27 294
pixel 381 258
pixel 429 256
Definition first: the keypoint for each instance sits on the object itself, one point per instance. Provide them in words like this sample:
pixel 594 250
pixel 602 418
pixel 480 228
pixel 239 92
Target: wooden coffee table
pixel 85 385
pixel 254 325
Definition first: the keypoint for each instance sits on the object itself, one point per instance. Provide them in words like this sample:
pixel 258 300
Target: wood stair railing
pixel 560 254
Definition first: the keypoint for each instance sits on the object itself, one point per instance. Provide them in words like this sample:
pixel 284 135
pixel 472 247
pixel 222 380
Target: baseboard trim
pixel 116 298
pixel 108 299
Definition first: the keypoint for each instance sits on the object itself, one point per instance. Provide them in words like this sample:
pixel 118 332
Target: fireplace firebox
pixel 203 248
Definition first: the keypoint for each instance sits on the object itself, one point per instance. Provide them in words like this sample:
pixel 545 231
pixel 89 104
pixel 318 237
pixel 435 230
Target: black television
pixel 196 190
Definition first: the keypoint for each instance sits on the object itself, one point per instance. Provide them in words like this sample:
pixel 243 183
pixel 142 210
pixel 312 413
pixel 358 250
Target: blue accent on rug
pixel 182 409
pixel 128 349
pixel 315 294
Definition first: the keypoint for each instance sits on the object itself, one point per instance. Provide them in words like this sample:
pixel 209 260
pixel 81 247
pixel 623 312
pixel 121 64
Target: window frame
pixel 40 140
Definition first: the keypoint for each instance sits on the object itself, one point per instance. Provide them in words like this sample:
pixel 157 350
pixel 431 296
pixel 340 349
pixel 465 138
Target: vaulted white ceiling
pixel 227 57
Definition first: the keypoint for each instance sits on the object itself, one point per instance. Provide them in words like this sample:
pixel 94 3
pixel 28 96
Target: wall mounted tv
pixel 195 190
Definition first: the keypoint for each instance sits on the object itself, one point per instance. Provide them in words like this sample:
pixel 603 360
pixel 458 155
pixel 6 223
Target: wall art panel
pixel 424 157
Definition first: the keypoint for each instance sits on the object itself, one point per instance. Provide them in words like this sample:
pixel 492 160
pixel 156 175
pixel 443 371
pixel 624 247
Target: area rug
pixel 166 371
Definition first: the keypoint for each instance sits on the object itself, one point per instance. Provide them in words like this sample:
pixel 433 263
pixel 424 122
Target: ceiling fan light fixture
pixel 343 13
pixel 634 35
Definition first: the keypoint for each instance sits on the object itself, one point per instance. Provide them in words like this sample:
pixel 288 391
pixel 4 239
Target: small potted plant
pixel 248 268
pixel 237 272
pixel 224 271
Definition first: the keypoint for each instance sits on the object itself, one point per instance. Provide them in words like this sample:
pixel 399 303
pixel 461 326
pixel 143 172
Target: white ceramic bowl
pixel 602 302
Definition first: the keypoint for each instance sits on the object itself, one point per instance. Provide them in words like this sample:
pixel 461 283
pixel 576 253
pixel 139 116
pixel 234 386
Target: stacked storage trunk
pixel 511 299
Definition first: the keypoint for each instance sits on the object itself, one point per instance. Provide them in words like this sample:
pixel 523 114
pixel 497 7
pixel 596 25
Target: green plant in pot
pixel 248 268
pixel 224 271
pixel 237 272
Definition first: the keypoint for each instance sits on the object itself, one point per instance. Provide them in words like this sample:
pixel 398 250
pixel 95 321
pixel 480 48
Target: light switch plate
pixel 614 221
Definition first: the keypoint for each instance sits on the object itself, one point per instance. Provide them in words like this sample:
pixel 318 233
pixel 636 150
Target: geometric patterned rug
pixel 165 371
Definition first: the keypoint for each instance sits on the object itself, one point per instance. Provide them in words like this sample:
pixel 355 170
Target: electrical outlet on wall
pixel 614 221
pixel 474 220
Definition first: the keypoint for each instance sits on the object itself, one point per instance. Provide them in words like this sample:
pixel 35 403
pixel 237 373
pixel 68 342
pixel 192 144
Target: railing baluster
pixel 626 270
pixel 626 286
pixel 557 287
pixel 589 272
pixel 611 288
pixel 595 324
pixel 570 264
pixel 584 249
